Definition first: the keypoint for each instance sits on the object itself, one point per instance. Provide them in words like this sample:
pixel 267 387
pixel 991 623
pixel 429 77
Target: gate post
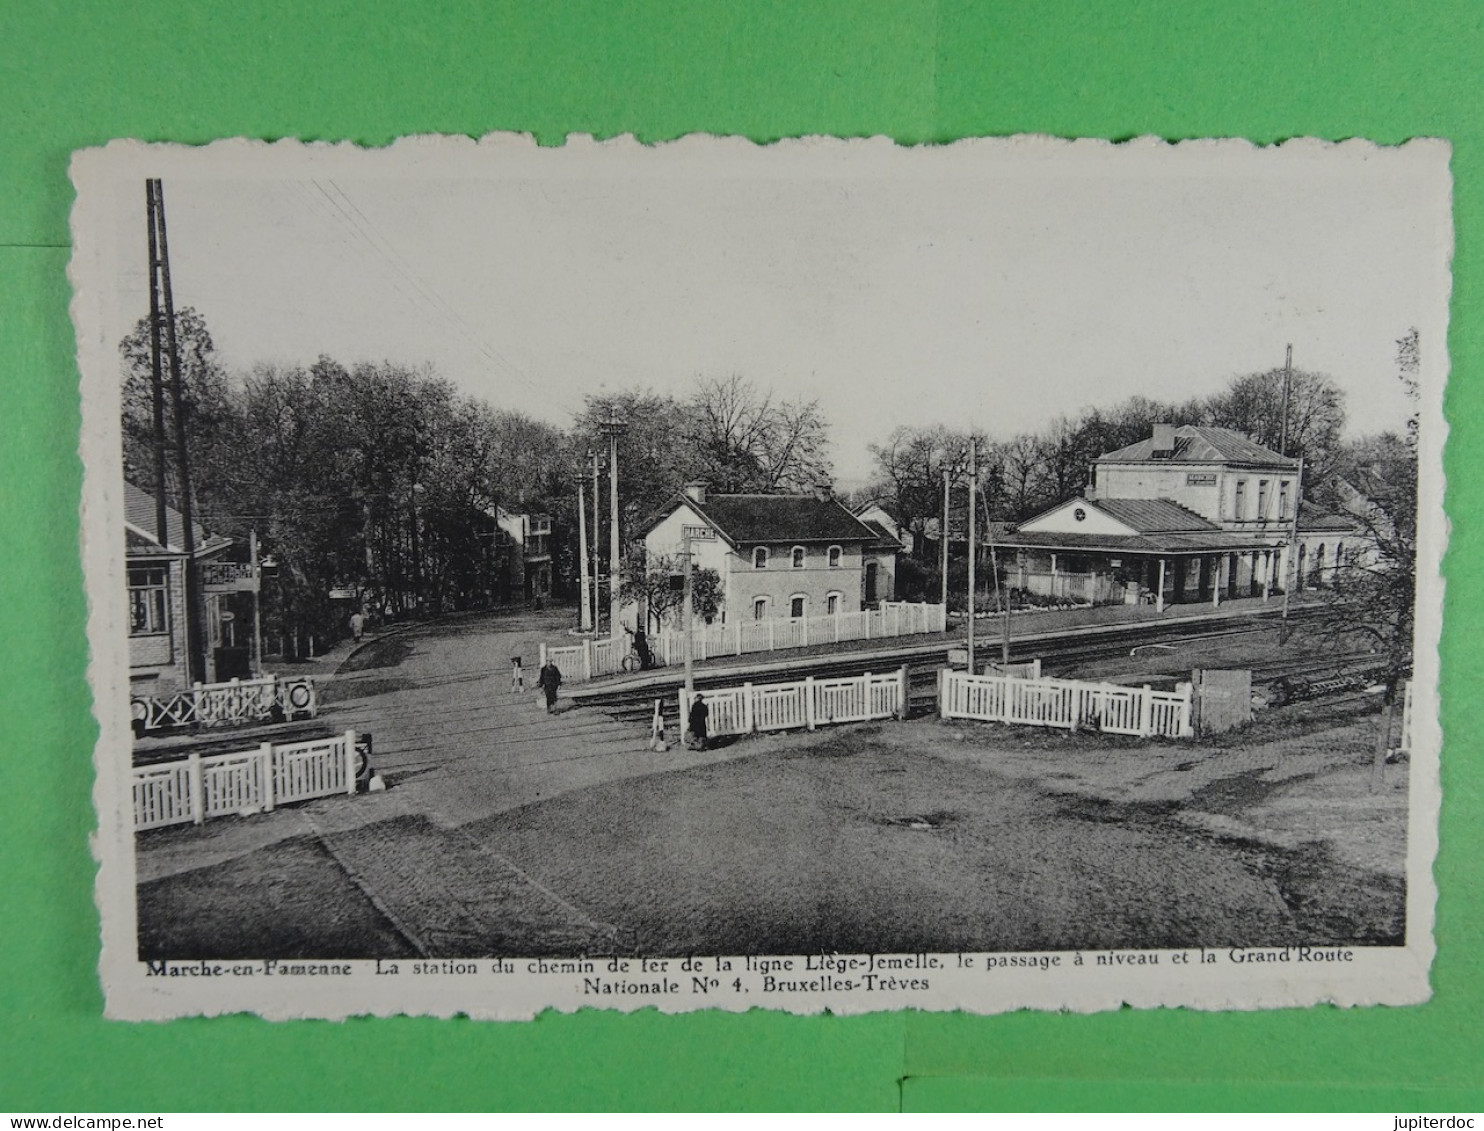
pixel 809 701
pixel 1146 711
pixel 196 788
pixel 587 659
pixel 749 713
pixel 350 762
pixel 265 758
pixel 902 692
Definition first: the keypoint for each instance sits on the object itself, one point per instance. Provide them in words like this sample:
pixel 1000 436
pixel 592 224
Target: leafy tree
pixel 655 586
pixel 1374 592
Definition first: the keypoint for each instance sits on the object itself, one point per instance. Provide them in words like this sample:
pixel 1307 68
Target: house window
pixel 835 557
pixel 796 605
pixel 832 603
pixel 759 608
pixel 149 589
pixel 760 557
pixel 798 557
pixel 1239 509
pixel 1283 499
pixel 1262 498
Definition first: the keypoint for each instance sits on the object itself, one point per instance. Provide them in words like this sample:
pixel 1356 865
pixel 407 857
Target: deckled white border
pixel 1393 976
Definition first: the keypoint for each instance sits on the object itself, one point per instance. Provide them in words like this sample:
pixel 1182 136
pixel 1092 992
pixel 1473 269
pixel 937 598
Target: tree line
pixel 382 480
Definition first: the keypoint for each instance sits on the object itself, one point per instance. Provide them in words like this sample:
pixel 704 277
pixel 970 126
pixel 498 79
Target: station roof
pixel 1198 444
pixel 1154 516
pixel 1174 542
pixel 140 519
pixel 772 519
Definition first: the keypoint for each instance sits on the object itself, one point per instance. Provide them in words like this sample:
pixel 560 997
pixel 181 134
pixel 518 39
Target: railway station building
pixel 1191 514
pixel 777 555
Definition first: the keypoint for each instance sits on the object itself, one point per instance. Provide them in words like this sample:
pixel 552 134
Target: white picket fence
pixel 802 704
pixel 594 658
pixel 1067 703
pixel 195 788
pixel 226 704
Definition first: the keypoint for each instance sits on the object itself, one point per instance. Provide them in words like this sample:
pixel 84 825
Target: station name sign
pixel 1201 479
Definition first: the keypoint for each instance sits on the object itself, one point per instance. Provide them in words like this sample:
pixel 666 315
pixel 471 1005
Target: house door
pixel 872 570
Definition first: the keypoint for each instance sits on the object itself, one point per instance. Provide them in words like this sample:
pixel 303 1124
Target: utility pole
pixel 1287 384
pixel 156 384
pixel 585 616
pixel 597 511
pixel 1290 574
pixel 160 278
pixel 685 614
pixel 973 476
pixel 1001 598
pixel 257 602
pixel 1297 494
pixel 943 535
pixel 613 428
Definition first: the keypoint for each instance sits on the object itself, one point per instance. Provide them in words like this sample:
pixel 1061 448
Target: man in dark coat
pixel 696 724
pixel 548 681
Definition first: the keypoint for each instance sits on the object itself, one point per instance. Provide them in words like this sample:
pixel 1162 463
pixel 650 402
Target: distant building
pixel 155 565
pixel 881 556
pixel 1190 514
pixel 776 555
pixel 523 545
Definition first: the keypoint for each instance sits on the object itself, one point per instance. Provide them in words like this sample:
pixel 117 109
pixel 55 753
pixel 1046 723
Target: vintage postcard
pixel 829 575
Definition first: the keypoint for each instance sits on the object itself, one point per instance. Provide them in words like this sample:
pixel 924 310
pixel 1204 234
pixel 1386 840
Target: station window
pixel 798 557
pixel 760 608
pixel 832 603
pixel 835 553
pixel 149 589
pixel 1239 506
pixel 760 557
pixel 796 605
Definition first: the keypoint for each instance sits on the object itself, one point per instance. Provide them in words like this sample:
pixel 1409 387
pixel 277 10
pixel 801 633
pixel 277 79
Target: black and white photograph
pixel 828 575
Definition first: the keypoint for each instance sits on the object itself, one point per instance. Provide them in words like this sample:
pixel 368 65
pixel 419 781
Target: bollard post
pixel 809 701
pixel 902 692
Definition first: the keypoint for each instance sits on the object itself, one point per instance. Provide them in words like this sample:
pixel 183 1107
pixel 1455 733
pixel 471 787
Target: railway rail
pixel 628 703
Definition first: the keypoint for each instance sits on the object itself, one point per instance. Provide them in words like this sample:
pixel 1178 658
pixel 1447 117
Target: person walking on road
pixel 548 681
pixel 696 724
pixel 517 676
pixel 357 625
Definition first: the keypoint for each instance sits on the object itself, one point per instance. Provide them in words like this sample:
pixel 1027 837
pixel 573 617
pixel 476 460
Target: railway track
pixel 636 704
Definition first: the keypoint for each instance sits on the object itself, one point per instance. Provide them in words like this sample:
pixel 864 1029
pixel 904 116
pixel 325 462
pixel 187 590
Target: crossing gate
pixel 802 704
pixel 195 788
pixel 1066 703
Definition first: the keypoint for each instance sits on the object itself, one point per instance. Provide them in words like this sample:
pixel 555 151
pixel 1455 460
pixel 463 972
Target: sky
pixel 994 285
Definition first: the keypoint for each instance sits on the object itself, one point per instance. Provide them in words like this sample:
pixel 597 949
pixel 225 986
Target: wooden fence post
pixel 749 710
pixel 737 631
pixel 902 692
pixel 1186 730
pixel 350 762
pixel 1146 712
pixel 943 693
pixel 809 701
pixel 265 759
pixel 543 655
pixel 196 787
pixel 587 659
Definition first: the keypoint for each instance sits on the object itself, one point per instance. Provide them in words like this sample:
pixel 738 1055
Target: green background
pixel 372 70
